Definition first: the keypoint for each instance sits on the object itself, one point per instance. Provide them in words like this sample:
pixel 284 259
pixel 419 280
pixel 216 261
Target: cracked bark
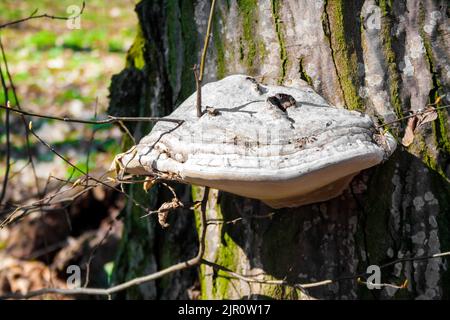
pixel 384 57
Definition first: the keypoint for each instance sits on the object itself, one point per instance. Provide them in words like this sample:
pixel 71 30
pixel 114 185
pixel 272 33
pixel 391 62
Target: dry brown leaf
pixel 408 138
pixel 19 276
pixel 149 183
pixel 430 114
pixel 163 211
pixel 414 123
pixel 162 218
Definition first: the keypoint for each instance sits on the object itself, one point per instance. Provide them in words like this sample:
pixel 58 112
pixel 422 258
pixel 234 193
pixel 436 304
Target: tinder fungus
pixel 285 146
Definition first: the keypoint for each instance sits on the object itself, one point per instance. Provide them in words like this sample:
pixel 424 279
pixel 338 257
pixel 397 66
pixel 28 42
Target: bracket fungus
pixel 285 146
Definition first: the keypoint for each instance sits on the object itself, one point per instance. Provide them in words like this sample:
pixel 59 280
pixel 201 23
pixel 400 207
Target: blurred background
pixel 63 72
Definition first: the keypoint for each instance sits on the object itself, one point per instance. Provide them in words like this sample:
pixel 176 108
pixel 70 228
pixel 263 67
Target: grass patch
pixel 41 40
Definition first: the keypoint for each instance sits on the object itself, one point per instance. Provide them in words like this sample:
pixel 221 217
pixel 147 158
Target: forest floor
pixel 66 72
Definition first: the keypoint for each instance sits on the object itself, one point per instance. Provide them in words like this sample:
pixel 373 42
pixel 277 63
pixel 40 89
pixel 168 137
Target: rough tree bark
pixel 382 57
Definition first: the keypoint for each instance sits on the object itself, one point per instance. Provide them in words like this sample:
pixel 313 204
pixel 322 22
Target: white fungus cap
pixel 249 147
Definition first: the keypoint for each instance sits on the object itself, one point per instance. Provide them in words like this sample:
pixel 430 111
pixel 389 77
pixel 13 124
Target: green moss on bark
pixel 303 75
pixel 342 50
pixel 440 126
pixel 280 36
pixel 173 40
pixel 135 56
pixel 219 45
pixel 190 36
pixel 197 195
pixel 227 253
pixel 248 43
pixel 394 77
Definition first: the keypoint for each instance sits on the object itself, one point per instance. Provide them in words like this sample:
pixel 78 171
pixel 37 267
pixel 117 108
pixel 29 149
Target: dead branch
pixel 34 15
pixel 26 209
pixel 404 285
pixel 136 281
pixel 199 260
pixel 420 112
pixel 110 119
pixel 198 88
pixel 207 38
pixel 24 122
pixel 199 76
pixel 8 138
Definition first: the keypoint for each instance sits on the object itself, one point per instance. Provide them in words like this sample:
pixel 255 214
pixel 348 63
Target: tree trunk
pixel 385 58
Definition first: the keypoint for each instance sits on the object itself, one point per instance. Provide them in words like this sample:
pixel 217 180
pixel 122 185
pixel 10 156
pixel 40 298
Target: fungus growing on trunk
pixel 284 146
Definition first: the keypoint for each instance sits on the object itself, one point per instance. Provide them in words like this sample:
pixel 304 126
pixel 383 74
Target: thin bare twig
pixel 199 76
pixel 109 291
pixel 42 16
pixel 110 119
pixel 94 250
pixel 8 138
pixel 30 157
pixel 384 285
pixel 197 260
pixel 198 87
pixel 323 282
pixel 233 221
pixel 24 121
pixel 252 278
pixel 207 38
pixel 134 282
pixel 44 204
pixel 9 220
pixel 234 274
pixel 412 115
pixel 91 139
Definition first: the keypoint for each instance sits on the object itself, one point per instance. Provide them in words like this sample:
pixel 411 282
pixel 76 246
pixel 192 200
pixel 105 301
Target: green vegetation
pixel 280 36
pixel 303 75
pixel 219 45
pixel 394 77
pixel 343 52
pixel 247 9
pixel 65 72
